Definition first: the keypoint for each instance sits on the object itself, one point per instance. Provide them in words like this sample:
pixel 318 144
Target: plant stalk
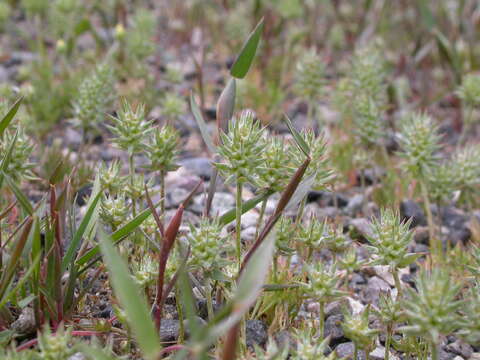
pixel 238 222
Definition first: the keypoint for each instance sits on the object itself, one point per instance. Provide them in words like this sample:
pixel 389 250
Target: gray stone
pixel 199 166
pixel 284 338
pixel 169 330
pixel 256 333
pixel 375 286
pixel 346 350
pixel 25 324
pixel 221 203
pixel 355 205
pixel 333 328
pixel 77 356
pixel 248 235
pixel 362 228
pixel 409 209
pixel 459 347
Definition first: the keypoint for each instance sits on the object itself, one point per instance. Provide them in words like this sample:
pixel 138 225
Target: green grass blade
pixel 77 237
pixel 131 299
pixel 7 119
pixel 21 197
pixel 245 58
pixel 297 137
pixel 197 114
pixel 229 216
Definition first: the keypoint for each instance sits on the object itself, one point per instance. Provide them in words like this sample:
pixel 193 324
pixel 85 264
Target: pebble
pixel 256 333
pixel 354 205
pixel 199 166
pixel 459 347
pixel 222 202
pixel 333 329
pixel 409 209
pixel 346 350
pixel 362 228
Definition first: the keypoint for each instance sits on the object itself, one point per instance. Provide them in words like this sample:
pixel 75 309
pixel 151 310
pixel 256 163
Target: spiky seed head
pixel 19 167
pixel 469 90
pixel 135 188
pixel 323 282
pixel 470 330
pixel 55 346
pixel 110 178
pixel 419 141
pixel 284 235
pixel 145 272
pixel 95 95
pixel 131 128
pixel 311 348
pixel 356 328
pixel 139 36
pixel 350 261
pixel 335 240
pixel 466 166
pixel 241 147
pixel 368 121
pixel 173 106
pixel 205 244
pixel 162 150
pixel 432 310
pixel 313 235
pixel 443 181
pixel 114 211
pixel 390 239
pixel 276 170
pixel 389 310
pixel 310 76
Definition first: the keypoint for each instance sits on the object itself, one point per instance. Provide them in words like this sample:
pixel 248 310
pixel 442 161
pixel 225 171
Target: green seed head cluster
pixel 469 91
pixel 276 169
pixel 55 346
pixel 319 165
pixel 390 239
pixel 389 310
pixel 284 235
pixel 309 348
pixel 110 178
pixel 323 281
pixel 163 149
pixel 206 244
pixel 19 167
pixel 271 352
pixel 419 141
pixel 310 76
pixel 173 106
pixel 356 328
pixel 466 166
pixel 350 261
pixel 139 37
pixel 149 226
pixel 312 236
pixel 135 188
pixel 443 180
pixel 145 272
pixel 130 128
pixel 470 331
pixel 114 211
pixel 241 148
pixel 95 95
pixel 432 309
pixel 368 121
pixel 335 239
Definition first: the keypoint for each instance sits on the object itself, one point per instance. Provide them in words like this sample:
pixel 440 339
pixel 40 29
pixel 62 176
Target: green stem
pixel 260 217
pixel 435 244
pixel 181 330
pixel 398 284
pixel 388 342
pixel 321 319
pixel 131 166
pixel 162 193
pixel 238 219
pixel 208 296
pixel 355 351
pixel 434 350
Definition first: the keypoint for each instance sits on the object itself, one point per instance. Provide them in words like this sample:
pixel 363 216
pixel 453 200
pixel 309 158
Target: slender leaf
pixel 21 197
pixel 245 58
pixel 9 116
pixel 226 106
pixel 297 137
pixel 229 216
pixel 132 300
pixel 197 114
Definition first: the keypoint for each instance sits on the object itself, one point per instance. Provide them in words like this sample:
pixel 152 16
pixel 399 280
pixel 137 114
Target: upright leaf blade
pixel 7 119
pixel 245 58
pixel 131 299
pixel 197 114
pixel 297 137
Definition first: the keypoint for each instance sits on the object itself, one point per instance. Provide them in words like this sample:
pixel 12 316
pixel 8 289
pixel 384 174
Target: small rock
pixel 169 330
pixel 361 227
pixel 357 281
pixel 198 166
pixel 256 333
pixel 460 348
pixel 453 217
pixel 25 324
pixel 284 338
pixel 221 203
pixel 375 286
pixel 248 235
pixel 175 197
pixel 409 209
pixel 336 307
pixel 336 199
pixel 355 205
pixel 443 355
pixel 333 328
pixel 346 350
pixel 77 356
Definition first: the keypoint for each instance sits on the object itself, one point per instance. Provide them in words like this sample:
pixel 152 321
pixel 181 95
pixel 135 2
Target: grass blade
pixel 197 114
pixel 229 216
pixel 21 197
pixel 302 145
pixel 7 119
pixel 131 299
pixel 245 58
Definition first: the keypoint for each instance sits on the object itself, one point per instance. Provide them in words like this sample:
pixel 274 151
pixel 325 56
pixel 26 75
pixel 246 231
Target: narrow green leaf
pixel 132 300
pixel 7 157
pixel 9 116
pixel 77 237
pixel 245 58
pixel 302 145
pixel 226 105
pixel 117 236
pixel 197 114
pixel 21 197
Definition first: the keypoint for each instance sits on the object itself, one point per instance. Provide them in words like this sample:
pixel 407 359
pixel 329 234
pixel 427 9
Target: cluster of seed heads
pixel 310 348
pixel 356 328
pixel 312 236
pixel 114 211
pixel 323 282
pixel 162 150
pixel 241 147
pixel 368 120
pixel 205 244
pixel 390 239
pixel 95 94
pixel 19 166
pixel 310 76
pixel 469 90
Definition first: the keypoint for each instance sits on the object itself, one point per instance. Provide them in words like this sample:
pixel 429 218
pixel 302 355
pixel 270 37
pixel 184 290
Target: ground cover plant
pixel 239 180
